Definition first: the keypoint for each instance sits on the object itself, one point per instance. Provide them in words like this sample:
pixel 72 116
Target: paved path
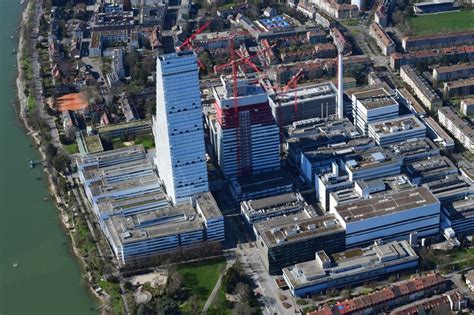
pixel 211 297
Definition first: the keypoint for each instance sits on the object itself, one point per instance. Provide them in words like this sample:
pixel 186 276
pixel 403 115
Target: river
pixel 47 279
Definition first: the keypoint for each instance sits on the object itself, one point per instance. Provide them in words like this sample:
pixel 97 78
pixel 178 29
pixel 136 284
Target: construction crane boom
pixel 188 40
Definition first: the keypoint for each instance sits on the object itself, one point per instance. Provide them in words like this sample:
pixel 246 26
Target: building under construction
pixel 304 102
pixel 244 135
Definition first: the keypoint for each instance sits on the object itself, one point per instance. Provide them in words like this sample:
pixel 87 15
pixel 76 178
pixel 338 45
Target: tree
pixel 242 308
pixel 194 305
pixel 166 306
pixel 174 284
pixel 243 290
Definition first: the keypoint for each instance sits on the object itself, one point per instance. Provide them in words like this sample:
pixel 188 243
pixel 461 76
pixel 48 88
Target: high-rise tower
pixel 245 136
pixel 178 127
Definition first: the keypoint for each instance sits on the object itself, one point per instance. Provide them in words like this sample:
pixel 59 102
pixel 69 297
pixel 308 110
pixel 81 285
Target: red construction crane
pixel 293 83
pixel 187 42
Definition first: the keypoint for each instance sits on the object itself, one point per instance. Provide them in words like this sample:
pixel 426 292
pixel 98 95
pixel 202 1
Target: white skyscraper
pixel 178 127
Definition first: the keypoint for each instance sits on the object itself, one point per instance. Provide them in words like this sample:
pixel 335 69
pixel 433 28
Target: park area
pixel 442 22
pixel 199 279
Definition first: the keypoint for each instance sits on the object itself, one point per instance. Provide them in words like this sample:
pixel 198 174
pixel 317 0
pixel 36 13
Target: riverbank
pixel 22 98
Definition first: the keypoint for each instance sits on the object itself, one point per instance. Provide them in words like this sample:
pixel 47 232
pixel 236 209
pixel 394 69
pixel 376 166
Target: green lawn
pixel 117 143
pixel 31 102
pixel 200 278
pixel 220 305
pixel 443 22
pixel 72 148
pixel 146 140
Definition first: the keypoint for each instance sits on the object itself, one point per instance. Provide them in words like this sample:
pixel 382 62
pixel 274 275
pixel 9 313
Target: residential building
pixel 245 136
pixel 438 40
pixel 431 55
pixel 372 104
pixel 470 280
pixel 396 130
pixel 449 303
pixel 349 268
pixel 337 10
pixel 467 106
pixel 178 127
pixel 284 241
pixel 437 134
pixel 458 88
pixel 381 16
pixel 389 216
pixel 423 91
pixel 400 293
pixel 385 43
pixel 407 99
pixel 458 127
pixel 454 72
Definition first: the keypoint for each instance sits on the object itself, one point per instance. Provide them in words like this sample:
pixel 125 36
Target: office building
pixel 178 127
pixel 371 163
pixel 413 149
pixel 256 210
pixel 389 216
pixel 397 130
pixel 421 88
pixel 452 187
pixel 330 182
pixel 459 215
pixel 458 127
pixel 207 207
pixel 431 169
pixel 349 268
pixel 284 241
pixel 260 185
pixel 372 104
pixel 131 129
pixel 246 139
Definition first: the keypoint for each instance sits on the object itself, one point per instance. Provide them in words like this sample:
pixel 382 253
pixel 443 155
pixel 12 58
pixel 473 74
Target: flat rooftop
pixel 307 93
pixel 146 201
pixel 432 165
pixel 290 229
pixel 258 182
pixel 389 203
pixel 103 187
pixel 398 125
pixel 135 151
pixel 413 147
pixel 348 263
pixel 126 125
pixel 375 98
pixel 449 186
pixel 132 167
pixel 208 205
pixel 461 209
pixel 154 224
pixel 370 158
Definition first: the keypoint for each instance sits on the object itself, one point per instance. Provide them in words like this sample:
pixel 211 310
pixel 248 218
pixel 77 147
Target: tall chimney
pixel 340 85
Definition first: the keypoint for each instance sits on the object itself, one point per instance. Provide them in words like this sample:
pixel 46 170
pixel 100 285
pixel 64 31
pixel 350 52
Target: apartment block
pixel 458 127
pixel 454 72
pixel 438 40
pixel 467 106
pixel 458 88
pixel 385 43
pixel 420 87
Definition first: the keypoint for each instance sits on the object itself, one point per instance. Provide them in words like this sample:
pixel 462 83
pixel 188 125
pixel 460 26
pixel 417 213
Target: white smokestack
pixel 340 85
